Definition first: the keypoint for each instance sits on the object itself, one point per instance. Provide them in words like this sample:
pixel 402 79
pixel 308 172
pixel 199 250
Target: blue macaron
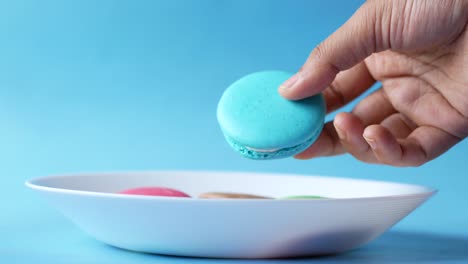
pixel 260 124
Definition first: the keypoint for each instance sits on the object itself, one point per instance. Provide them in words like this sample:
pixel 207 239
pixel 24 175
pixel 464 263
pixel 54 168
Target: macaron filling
pixel 262 150
pixel 260 154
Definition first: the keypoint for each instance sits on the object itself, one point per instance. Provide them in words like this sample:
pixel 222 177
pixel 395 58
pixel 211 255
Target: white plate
pixel 358 212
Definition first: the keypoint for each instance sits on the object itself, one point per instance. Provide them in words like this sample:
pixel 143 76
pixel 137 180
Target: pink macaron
pixel 155 191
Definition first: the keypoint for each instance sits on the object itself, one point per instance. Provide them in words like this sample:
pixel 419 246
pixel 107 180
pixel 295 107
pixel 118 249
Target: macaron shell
pixel 226 195
pixel 155 191
pixel 279 154
pixel 252 113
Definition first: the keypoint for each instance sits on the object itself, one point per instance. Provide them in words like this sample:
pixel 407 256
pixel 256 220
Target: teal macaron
pixel 259 123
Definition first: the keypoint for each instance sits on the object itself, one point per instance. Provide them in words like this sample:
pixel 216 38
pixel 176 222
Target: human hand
pixel 418 50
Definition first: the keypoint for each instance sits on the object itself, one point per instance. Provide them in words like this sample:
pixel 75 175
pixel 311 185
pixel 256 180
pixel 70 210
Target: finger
pixel 385 146
pixel 422 145
pixel 347 86
pixel 346 47
pixel 421 102
pixel 398 125
pixel 374 108
pixel 350 131
pixel 327 144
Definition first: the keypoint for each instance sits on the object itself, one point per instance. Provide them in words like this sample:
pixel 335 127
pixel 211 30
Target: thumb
pixel 358 38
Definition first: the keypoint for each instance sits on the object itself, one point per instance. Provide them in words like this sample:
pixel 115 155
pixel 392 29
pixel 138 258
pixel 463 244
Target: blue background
pixel 133 85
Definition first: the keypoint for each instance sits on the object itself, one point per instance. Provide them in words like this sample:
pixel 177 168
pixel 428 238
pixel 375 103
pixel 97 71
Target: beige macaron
pixel 229 195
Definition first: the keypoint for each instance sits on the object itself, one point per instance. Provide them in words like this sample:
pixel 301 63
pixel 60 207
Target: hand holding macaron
pixel 418 50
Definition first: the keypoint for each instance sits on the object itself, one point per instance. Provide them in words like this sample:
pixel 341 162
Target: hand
pixel 418 50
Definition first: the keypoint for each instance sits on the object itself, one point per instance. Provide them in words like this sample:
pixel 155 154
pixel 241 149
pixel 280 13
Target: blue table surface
pixel 133 85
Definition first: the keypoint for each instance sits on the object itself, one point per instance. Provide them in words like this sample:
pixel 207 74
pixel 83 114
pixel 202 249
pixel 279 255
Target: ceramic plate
pixel 356 212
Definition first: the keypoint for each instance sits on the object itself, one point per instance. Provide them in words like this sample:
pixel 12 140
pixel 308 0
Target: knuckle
pixel 360 157
pixel 364 156
pixel 320 51
pixel 384 159
pixel 461 128
pixel 415 164
pixel 335 92
pixel 400 162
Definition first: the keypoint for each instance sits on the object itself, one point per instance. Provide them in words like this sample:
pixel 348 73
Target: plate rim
pixel 425 192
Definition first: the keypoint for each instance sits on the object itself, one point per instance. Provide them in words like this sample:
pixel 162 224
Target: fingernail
pixel 289 82
pixel 371 142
